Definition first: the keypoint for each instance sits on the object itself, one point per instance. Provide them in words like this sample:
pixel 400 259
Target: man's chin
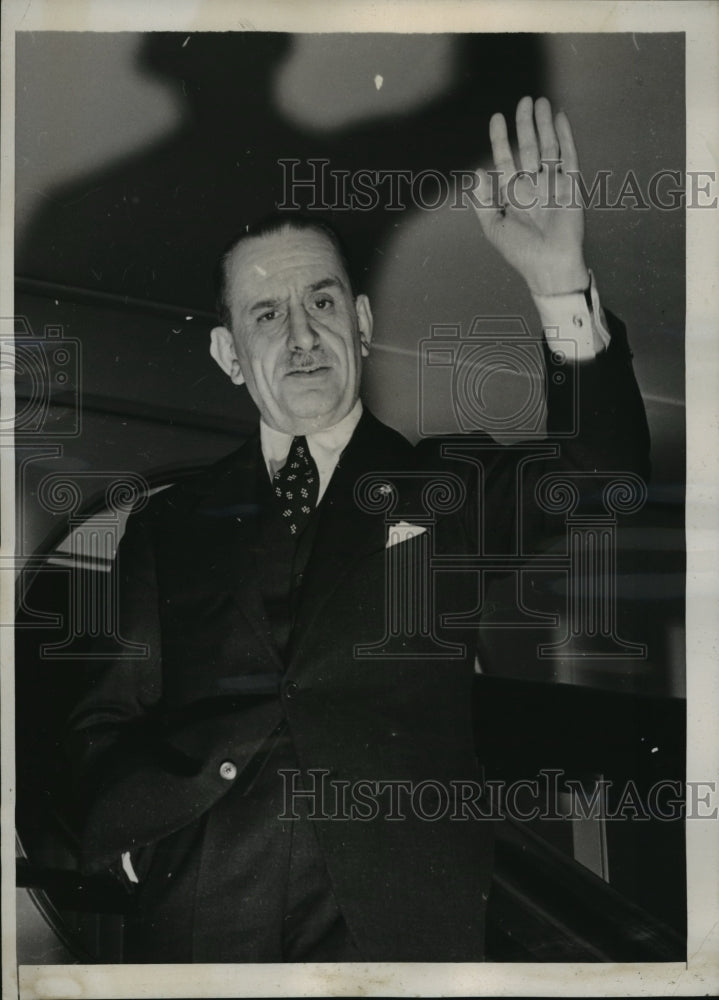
pixel 307 416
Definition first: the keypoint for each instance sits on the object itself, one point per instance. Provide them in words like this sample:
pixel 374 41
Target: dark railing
pixel 545 907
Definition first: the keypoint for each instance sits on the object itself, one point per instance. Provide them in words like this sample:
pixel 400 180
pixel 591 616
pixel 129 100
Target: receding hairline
pixel 275 226
pixel 339 273
pixel 286 229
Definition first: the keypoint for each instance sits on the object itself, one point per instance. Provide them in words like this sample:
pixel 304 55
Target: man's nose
pixel 302 336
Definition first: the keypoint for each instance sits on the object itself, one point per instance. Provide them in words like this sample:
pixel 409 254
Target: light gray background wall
pixel 86 100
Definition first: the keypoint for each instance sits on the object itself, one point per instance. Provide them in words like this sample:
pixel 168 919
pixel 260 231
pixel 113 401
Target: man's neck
pixel 326 445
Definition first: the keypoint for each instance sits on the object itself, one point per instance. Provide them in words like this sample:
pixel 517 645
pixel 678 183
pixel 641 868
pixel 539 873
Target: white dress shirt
pixel 325 446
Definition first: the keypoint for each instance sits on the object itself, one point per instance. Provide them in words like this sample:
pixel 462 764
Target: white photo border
pixel 700 974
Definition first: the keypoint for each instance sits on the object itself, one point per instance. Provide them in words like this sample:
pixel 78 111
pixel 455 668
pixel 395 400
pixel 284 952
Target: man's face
pixel 298 334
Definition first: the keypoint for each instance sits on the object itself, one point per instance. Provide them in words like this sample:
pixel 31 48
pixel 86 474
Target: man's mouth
pixel 309 370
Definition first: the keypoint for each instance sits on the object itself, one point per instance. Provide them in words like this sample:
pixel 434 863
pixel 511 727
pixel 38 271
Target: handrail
pixel 546 907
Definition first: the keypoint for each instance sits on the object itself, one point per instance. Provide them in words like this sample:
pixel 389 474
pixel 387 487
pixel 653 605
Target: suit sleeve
pixel 114 718
pixel 602 402
pixel 143 775
pixel 596 428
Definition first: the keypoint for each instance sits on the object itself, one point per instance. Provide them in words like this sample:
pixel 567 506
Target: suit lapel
pixel 228 517
pixel 347 530
pixel 229 509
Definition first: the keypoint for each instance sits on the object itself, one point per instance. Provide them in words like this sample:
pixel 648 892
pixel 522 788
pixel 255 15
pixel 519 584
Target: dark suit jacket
pixel 152 733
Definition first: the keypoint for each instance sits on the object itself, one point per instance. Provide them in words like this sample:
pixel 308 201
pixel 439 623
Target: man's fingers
pixel 501 151
pixel 568 151
pixel 489 189
pixel 527 136
pixel 548 144
pixel 539 137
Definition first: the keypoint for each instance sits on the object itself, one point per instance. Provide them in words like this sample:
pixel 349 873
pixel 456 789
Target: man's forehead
pixel 283 256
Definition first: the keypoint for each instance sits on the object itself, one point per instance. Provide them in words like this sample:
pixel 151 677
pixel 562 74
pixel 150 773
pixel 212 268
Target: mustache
pixel 304 362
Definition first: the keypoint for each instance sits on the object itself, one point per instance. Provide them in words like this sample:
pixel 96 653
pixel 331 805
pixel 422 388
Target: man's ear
pixel 222 349
pixel 364 322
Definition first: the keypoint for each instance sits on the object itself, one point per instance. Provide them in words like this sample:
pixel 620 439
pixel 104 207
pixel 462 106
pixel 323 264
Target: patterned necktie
pixel 297 486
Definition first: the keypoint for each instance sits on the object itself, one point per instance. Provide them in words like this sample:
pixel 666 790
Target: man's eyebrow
pixel 264 304
pixel 329 282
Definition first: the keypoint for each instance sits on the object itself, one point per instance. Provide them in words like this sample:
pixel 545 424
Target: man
pixel 265 590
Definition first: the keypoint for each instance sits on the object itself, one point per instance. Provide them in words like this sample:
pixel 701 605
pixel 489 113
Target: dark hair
pixel 270 224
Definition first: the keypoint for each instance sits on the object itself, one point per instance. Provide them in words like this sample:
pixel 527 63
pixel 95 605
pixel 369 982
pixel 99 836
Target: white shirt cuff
pixel 568 318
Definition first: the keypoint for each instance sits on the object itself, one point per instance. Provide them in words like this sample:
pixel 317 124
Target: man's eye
pixel 267 317
pixel 323 303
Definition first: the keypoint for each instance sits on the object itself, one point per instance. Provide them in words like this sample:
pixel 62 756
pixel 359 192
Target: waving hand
pixel 531 215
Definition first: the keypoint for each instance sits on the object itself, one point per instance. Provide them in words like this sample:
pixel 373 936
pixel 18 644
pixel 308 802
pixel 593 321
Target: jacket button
pixel 228 771
pixel 291 690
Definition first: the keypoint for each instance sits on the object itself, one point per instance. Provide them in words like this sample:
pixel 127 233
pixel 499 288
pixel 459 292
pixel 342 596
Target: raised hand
pixel 533 216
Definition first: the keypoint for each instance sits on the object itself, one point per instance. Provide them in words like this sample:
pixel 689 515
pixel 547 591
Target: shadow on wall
pixel 150 226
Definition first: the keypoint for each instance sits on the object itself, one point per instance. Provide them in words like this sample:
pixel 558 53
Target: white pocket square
pixel 402 532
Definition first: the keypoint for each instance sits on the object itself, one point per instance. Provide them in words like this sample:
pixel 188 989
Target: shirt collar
pixel 325 445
